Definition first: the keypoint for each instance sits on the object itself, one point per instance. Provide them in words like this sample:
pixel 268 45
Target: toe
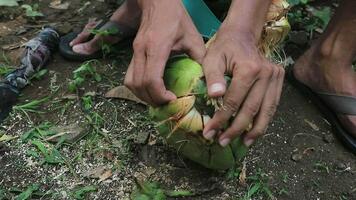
pixel 84 48
pixel 83 36
pixel 349 123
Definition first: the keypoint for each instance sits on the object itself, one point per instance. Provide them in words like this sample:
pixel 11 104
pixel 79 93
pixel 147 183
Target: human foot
pixel 128 16
pixel 327 65
pixel 326 70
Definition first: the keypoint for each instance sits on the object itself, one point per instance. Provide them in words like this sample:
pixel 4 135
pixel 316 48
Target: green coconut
pixel 181 122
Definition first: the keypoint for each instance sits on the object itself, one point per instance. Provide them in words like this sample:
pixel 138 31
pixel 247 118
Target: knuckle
pixel 282 72
pixel 128 83
pixel 231 105
pixel 271 110
pixel 253 69
pixel 137 44
pixel 268 70
pixel 257 132
pixel 252 108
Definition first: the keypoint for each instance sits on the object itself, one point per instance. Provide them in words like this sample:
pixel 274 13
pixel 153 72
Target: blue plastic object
pixel 204 19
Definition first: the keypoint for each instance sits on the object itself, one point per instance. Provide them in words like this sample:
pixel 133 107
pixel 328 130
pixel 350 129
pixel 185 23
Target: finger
pixel 268 108
pixel 83 36
pixel 135 73
pixel 248 111
pixel 195 48
pixel 214 73
pixel 157 56
pixel 241 83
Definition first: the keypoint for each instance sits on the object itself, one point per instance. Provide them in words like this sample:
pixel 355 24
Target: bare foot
pixel 324 72
pixel 127 14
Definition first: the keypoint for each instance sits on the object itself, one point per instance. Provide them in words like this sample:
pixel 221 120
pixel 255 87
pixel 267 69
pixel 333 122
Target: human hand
pixel 165 27
pixel 254 92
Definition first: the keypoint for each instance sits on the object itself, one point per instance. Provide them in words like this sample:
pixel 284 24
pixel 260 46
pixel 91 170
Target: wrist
pixel 247 17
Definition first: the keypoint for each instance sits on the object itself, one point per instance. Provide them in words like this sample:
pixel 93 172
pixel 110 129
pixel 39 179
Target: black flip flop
pixel 121 30
pixel 330 105
pixel 8 97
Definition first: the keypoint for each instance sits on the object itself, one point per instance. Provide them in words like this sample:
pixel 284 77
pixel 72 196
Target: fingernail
pixel 217 88
pixel 210 134
pixel 71 44
pixel 249 142
pixel 224 142
pixel 77 48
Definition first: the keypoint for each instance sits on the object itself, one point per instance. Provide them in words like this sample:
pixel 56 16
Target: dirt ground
pixel 298 158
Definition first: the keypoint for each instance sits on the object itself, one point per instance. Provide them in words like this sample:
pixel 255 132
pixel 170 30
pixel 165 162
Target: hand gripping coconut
pixel 181 122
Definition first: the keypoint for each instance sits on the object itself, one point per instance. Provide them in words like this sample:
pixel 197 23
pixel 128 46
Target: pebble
pixel 328 138
pixel 297 157
pixel 341 166
pixel 142 137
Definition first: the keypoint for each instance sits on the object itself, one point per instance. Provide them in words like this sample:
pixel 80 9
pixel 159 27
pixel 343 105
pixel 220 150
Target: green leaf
pixel 297 2
pixel 40 74
pixel 6 138
pixel 51 155
pixel 28 192
pixel 81 192
pixel 8 3
pixel 179 193
pixel 31 12
pixel 2 194
pixel 148 190
pixel 324 15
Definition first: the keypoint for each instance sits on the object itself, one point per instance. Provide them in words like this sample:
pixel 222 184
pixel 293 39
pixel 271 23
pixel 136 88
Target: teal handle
pixel 203 18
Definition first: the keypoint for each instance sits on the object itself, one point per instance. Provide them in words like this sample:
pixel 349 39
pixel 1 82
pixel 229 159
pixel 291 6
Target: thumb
pixel 213 66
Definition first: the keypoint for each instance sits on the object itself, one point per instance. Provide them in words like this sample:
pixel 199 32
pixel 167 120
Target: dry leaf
pixel 242 177
pixel 122 92
pixel 107 174
pixel 95 173
pixel 57 4
pixel 312 125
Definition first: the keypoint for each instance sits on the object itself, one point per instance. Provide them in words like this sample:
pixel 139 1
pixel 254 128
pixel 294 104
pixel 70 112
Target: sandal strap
pixel 341 104
pixel 118 29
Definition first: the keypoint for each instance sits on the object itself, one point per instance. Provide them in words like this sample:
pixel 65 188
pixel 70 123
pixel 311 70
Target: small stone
pixel 3 148
pixel 297 157
pixel 341 166
pixel 328 138
pixel 64 28
pixel 142 137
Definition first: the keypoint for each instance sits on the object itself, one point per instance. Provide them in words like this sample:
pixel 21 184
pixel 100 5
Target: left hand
pixel 255 89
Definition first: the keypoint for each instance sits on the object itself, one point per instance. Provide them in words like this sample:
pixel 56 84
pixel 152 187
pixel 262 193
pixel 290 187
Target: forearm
pixel 247 17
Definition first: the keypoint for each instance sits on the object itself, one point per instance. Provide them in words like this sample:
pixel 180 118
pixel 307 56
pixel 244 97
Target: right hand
pixel 165 27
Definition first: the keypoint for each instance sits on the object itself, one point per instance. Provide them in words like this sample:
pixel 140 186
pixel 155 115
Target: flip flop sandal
pixel 123 31
pixel 330 105
pixel 8 96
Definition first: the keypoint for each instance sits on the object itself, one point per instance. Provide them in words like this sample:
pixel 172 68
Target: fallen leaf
pixel 108 155
pixel 95 173
pixel 152 140
pixel 12 46
pixel 70 97
pixel 6 138
pixel 8 3
pixel 57 4
pixel 242 177
pixel 122 92
pixel 312 125
pixel 71 133
pixel 107 174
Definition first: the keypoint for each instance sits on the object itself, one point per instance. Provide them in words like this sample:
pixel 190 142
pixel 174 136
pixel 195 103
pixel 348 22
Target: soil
pixel 299 157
